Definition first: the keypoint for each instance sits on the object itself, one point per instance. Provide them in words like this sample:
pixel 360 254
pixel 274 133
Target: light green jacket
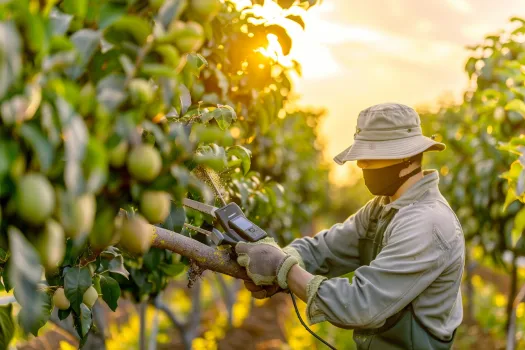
pixel 421 262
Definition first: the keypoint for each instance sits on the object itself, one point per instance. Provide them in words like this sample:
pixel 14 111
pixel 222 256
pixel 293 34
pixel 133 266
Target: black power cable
pixel 305 326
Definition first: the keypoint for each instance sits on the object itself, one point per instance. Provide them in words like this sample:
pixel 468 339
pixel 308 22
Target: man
pixel 406 247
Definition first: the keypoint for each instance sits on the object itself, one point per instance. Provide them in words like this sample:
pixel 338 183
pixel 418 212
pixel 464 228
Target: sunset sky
pixel 358 53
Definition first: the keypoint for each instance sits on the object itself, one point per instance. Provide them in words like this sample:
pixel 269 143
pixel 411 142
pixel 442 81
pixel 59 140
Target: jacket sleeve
pixel 411 260
pixel 332 252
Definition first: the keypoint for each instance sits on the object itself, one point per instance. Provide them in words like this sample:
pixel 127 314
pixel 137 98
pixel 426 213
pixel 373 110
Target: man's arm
pixel 405 267
pixel 332 252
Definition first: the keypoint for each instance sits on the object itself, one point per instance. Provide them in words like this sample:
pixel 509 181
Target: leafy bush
pixel 109 105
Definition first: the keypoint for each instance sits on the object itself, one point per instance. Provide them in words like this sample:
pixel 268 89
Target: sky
pixel 358 53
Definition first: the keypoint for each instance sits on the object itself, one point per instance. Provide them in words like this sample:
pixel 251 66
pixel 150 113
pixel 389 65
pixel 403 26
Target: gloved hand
pixel 262 292
pixel 266 263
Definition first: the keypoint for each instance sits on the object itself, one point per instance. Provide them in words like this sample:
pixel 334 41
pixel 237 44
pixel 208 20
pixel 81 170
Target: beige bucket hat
pixel 388 131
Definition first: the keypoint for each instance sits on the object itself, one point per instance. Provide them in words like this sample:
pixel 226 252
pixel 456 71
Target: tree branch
pixel 206 257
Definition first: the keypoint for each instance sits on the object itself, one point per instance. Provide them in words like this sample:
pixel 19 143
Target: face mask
pixel 386 181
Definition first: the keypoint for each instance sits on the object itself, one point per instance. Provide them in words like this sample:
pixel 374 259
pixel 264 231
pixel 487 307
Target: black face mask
pixel 386 181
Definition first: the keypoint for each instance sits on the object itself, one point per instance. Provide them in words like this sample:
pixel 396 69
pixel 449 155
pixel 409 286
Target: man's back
pixel 420 263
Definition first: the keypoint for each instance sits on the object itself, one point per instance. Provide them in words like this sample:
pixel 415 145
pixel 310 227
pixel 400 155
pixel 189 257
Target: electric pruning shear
pixel 236 226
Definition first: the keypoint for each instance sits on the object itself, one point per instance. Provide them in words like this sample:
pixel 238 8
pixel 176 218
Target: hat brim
pixel 389 149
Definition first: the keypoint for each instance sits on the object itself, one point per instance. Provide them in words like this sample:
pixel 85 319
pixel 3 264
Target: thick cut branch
pixel 206 257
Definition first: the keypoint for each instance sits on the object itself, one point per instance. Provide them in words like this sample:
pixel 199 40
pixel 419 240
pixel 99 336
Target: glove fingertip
pixel 241 247
pixel 243 260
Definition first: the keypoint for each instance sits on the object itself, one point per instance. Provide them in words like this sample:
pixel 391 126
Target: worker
pixel 405 246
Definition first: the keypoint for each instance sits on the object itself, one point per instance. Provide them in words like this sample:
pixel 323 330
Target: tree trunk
pixel 142 331
pixel 469 288
pixel 512 291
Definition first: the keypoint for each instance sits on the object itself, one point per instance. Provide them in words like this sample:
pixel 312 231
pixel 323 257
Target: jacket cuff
pixel 295 253
pixel 284 269
pixel 313 313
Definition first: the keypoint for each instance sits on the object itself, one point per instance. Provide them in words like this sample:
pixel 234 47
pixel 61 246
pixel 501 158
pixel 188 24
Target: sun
pixel 273 50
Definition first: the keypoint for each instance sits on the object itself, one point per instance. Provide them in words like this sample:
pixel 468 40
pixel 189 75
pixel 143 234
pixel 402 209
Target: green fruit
pixel 144 163
pixel 60 300
pixel 155 4
pixel 51 245
pixel 187 37
pixel 117 155
pixel 90 297
pixel 155 206
pixel 35 198
pixel 141 91
pixel 78 214
pixel 136 235
pixel 207 9
pixel 170 55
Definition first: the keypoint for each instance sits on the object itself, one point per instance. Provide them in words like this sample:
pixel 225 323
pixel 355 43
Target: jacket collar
pixel 429 181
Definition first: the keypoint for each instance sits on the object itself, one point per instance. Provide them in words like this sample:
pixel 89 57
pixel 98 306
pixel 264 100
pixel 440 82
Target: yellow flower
pixel 64 345
pixel 477 253
pixel 520 310
pixel 199 344
pixel 477 282
pixel 500 300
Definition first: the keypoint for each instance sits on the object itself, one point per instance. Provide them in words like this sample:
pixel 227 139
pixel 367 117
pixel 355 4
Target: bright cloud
pixel 462 6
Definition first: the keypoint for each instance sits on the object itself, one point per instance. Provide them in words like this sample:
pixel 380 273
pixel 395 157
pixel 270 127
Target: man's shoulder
pixel 435 214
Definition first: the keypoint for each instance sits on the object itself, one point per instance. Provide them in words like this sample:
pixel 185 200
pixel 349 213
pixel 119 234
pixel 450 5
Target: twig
pixel 195 315
pixel 152 344
pixel 142 334
pixel 204 256
pixel 511 332
pixel 228 297
pixel 64 325
pixel 161 306
pixel 7 300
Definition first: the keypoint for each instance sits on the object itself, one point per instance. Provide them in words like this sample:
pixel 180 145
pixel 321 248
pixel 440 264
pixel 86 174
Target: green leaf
pixel 10 56
pixel 210 134
pixel 183 96
pixel 63 314
pixel 194 63
pixel 158 70
pixel 138 27
pixel 171 10
pixel 109 13
pixel 111 92
pixel 176 219
pixel 76 281
pixel 34 316
pixel 76 7
pixel 212 156
pixel 24 270
pixel 110 291
pixel 8 153
pixel 59 22
pixel 516 106
pixel 86 42
pixel 76 137
pixel 282 35
pixel 224 115
pixel 243 154
pixel 95 165
pixel 172 269
pixel 7 326
pixel 41 146
pixel 83 321
pixel 297 19
pixel 116 265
